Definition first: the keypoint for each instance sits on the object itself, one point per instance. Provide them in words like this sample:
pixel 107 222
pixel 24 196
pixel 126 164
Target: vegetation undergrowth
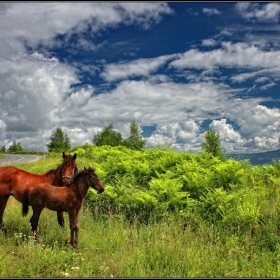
pixel 163 214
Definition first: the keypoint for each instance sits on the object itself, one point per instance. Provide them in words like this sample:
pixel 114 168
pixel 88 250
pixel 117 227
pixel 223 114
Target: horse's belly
pixel 55 206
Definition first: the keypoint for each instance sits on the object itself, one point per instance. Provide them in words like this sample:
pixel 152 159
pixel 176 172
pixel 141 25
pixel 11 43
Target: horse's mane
pixel 81 174
pixel 54 170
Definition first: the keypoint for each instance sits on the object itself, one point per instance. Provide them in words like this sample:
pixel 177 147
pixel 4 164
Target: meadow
pixel 163 214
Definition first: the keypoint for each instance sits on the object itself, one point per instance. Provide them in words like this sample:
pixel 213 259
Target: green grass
pixel 113 247
pixel 110 245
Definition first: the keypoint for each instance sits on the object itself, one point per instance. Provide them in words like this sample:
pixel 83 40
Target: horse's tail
pixel 25 207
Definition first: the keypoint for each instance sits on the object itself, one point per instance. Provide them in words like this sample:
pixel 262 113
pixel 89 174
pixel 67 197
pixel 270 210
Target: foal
pixel 66 198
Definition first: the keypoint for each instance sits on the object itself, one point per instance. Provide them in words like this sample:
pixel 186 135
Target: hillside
pixel 258 158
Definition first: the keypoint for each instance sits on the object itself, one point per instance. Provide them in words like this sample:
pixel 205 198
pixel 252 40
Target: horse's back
pixel 6 172
pixel 52 197
pixel 15 181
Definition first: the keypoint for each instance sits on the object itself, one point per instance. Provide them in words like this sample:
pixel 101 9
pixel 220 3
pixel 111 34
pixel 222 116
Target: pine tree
pixel 212 144
pixel 60 141
pixel 108 136
pixel 135 140
pixel 15 147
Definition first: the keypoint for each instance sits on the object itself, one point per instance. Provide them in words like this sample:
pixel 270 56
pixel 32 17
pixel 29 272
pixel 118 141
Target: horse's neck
pixel 80 188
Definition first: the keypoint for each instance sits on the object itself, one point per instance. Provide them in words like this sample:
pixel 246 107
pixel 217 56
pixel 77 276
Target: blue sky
pixel 175 68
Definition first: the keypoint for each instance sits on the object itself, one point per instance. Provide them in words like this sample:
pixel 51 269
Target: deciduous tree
pixel 108 136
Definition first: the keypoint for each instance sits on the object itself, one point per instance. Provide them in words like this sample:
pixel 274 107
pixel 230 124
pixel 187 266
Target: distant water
pixel 258 158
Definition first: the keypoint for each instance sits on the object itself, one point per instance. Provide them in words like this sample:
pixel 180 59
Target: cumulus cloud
pixel 251 62
pixel 178 110
pixel 181 135
pixel 231 140
pixel 254 11
pixel 40 91
pixel 36 85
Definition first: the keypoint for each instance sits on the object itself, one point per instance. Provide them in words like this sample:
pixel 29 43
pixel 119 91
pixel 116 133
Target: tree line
pixel 60 141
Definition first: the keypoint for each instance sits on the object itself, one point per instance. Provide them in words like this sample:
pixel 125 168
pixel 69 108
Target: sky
pixel 176 68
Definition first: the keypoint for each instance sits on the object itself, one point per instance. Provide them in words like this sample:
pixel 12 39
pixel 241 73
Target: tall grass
pixel 114 247
pixel 110 245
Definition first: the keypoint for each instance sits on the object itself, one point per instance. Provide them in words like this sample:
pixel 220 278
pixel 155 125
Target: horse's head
pixel 69 168
pixel 93 180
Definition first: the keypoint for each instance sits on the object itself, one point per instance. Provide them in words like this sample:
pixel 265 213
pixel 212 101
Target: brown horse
pixel 69 199
pixel 15 181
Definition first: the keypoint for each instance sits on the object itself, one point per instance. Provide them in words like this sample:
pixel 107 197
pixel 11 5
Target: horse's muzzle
pixel 66 180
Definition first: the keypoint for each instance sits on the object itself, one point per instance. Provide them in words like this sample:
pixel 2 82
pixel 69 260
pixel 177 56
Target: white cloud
pixel 266 142
pixel 140 67
pixel 182 136
pixel 209 42
pixel 250 61
pixel 231 140
pixel 254 11
pixel 37 95
pixel 256 120
pixel 239 55
pixel 262 80
pixel 63 17
pixel 36 86
pixel 211 11
pixel 172 106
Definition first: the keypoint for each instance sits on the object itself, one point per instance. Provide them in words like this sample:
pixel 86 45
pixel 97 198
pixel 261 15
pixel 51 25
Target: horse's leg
pixel 72 221
pixel 60 218
pixel 77 232
pixel 3 202
pixel 35 220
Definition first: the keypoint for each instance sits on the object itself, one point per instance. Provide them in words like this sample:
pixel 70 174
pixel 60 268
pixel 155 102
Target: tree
pixel 108 136
pixel 135 140
pixel 3 149
pixel 212 144
pixel 60 141
pixel 15 147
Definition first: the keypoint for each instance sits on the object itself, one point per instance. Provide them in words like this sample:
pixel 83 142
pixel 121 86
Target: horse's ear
pixel 74 156
pixel 89 168
pixel 63 155
pixel 85 170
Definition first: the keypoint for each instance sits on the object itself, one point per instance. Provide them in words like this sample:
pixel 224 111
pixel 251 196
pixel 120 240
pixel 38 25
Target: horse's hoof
pixel 61 224
pixel 4 231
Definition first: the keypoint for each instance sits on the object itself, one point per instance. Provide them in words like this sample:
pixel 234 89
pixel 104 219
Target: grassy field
pixel 116 248
pixel 112 246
